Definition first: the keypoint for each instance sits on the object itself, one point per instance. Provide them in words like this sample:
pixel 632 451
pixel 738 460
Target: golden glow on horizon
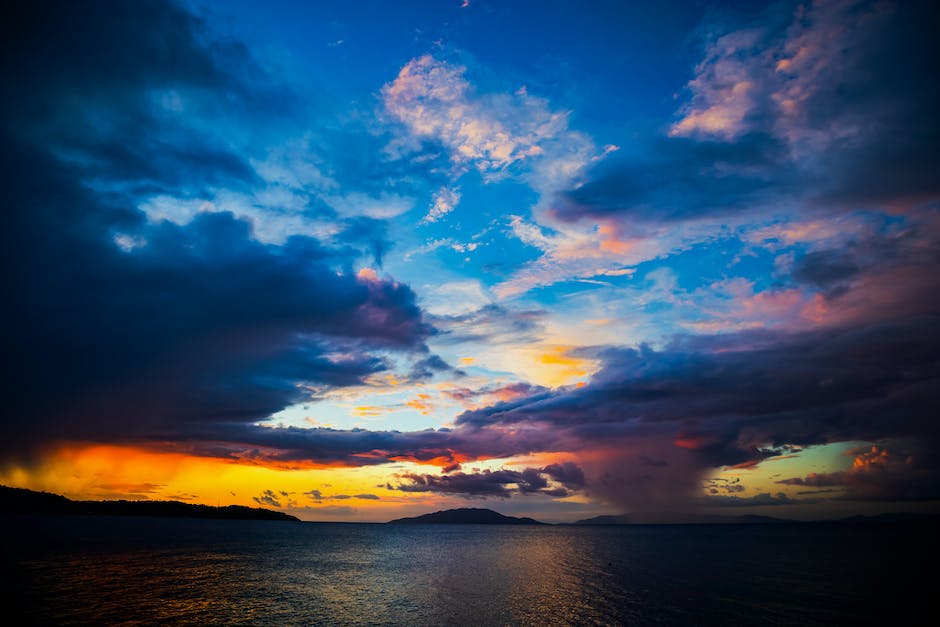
pixel 107 472
pixel 125 472
pixel 763 477
pixel 351 493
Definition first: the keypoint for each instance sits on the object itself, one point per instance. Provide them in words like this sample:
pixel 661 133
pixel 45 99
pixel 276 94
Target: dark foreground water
pixel 91 570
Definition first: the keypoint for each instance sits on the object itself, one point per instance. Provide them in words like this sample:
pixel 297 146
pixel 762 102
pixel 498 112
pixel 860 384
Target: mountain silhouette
pixel 466 516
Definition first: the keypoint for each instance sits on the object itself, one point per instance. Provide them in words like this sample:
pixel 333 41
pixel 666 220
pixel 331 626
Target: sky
pixel 361 260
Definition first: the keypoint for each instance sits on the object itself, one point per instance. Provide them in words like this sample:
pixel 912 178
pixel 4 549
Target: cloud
pixel 827 85
pixel 492 323
pixel 127 327
pixel 501 483
pixel 495 133
pixel 653 422
pixel 894 472
pixel 723 89
pixel 568 474
pixel 491 393
pixel 443 202
pixel 268 497
pixel 709 401
pixel 800 115
pixel 159 293
pixel 295 447
pixel 319 497
pixel 455 298
pixel 682 179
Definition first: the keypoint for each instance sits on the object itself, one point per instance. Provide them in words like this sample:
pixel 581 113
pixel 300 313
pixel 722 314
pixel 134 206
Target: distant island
pixel 752 519
pixel 22 501
pixel 465 516
pixel 700 519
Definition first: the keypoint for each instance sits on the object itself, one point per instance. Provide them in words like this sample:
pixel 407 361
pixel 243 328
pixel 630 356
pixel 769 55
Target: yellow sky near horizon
pixel 356 494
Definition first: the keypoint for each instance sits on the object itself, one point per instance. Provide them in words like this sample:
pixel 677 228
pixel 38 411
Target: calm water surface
pixel 92 570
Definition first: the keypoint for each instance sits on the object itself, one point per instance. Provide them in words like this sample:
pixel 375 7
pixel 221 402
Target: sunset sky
pixel 361 260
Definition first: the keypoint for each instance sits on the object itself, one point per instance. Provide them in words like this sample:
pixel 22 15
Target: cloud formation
pixel 778 125
pixel 497 134
pixel 735 399
pixel 897 473
pixel 758 267
pixel 126 327
pixel 555 480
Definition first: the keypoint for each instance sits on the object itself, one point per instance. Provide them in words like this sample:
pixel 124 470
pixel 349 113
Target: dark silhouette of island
pixel 687 519
pixel 22 501
pixel 754 519
pixel 465 516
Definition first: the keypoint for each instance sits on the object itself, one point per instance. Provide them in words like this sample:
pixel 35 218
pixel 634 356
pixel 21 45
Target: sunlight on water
pixel 88 570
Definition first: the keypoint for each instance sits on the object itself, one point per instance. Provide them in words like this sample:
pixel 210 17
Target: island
pixel 680 519
pixel 465 516
pixel 22 501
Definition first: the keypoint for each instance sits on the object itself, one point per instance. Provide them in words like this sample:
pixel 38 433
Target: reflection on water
pixel 91 570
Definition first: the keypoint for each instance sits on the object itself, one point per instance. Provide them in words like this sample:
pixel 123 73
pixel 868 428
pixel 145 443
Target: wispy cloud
pixel 497 134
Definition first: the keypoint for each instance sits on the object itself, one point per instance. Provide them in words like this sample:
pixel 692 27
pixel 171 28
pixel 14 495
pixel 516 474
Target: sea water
pixel 101 570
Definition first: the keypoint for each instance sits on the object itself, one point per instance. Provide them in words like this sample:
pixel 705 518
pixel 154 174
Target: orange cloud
pixel 564 366
pixel 369 410
pixel 422 403
pixel 91 471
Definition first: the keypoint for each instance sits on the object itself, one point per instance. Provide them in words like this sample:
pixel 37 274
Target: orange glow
pixel 507 393
pixel 367 275
pixel 95 472
pixel 694 442
pixel 564 367
pixel 441 461
pixel 878 458
pixel 421 403
pixel 748 465
pixel 611 240
pixel 816 309
pixel 369 410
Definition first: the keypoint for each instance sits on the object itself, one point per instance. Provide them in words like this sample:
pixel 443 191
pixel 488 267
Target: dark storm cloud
pixel 499 483
pixel 656 420
pixel 60 45
pixel 85 81
pixel 567 473
pixel 298 447
pixel 187 324
pixel 881 248
pixel 850 124
pixel 825 268
pixel 737 399
pixel 892 472
pixel 196 332
pixel 681 179
pixel 884 83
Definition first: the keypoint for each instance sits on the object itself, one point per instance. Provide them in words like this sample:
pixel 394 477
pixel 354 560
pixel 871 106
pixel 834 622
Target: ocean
pixel 104 570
